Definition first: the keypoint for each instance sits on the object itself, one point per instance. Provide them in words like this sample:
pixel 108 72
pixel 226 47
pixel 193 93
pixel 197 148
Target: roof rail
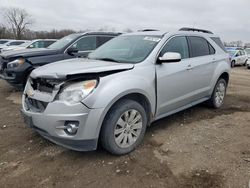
pixel 195 29
pixel 144 30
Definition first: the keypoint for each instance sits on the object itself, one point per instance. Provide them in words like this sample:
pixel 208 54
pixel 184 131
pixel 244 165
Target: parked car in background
pixel 15 66
pixel 123 86
pixel 39 43
pixel 238 56
pixel 12 43
pixel 3 41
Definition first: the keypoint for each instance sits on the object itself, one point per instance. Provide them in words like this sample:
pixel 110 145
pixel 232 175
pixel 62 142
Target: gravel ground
pixel 199 147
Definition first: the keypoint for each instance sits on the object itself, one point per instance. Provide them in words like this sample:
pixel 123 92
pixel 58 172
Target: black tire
pixel 212 101
pixel 245 63
pixel 233 64
pixel 110 122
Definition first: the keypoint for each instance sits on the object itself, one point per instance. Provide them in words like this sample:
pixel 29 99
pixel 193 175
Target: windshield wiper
pixel 108 59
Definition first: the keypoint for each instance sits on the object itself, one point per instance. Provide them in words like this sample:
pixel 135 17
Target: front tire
pixel 124 127
pixel 219 93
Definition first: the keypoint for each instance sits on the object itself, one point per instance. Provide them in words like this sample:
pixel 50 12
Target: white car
pixel 11 43
pixel 238 56
pixel 4 41
pixel 247 50
pixel 39 43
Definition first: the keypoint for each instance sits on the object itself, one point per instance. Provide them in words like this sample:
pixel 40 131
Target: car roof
pixel 97 33
pixel 162 33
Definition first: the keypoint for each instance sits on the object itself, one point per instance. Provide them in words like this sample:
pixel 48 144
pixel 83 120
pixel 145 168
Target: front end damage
pixel 71 124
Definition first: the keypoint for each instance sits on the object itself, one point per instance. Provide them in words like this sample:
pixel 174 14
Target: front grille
pixel 35 105
pixel 43 85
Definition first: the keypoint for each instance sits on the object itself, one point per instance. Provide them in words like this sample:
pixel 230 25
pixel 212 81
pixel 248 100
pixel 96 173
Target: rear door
pixel 174 86
pixel 238 60
pixel 244 56
pixel 203 66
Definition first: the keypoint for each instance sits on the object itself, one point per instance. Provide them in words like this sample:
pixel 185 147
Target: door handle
pixel 189 67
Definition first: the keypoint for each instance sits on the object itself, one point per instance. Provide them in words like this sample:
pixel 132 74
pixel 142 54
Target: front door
pixel 173 79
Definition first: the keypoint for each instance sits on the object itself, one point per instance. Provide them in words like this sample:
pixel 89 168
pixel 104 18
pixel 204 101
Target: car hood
pixel 63 69
pixel 28 53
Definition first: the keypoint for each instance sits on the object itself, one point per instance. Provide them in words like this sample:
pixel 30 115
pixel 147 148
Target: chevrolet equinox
pixel 122 87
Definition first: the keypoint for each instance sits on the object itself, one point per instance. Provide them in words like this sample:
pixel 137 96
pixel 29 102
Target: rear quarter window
pixel 219 43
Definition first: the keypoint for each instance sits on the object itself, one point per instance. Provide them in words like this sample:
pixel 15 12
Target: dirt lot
pixel 199 147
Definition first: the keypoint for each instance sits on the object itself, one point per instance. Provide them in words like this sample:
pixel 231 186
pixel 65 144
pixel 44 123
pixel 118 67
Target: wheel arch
pixel 136 96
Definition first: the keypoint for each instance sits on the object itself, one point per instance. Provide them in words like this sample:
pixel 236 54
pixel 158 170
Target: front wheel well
pixel 225 76
pixel 142 100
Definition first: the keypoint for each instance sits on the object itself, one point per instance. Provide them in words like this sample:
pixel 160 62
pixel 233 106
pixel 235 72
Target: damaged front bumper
pixel 49 117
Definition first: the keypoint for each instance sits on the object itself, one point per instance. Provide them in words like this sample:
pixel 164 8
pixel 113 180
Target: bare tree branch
pixel 18 19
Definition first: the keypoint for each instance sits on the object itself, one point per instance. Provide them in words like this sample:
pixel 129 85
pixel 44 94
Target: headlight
pixel 78 91
pixel 16 63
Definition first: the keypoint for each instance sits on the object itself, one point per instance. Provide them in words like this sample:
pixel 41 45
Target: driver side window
pixel 86 44
pixel 178 45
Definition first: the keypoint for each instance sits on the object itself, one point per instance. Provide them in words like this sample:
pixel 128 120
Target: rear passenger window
pixel 178 45
pixel 102 39
pixel 199 47
pixel 219 43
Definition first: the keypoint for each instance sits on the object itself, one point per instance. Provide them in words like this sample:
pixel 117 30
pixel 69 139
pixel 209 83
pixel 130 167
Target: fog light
pixel 71 127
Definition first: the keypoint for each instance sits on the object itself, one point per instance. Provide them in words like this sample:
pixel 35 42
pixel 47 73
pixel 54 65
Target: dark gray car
pixel 15 66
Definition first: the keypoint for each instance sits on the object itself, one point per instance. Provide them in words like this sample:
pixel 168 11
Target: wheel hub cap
pixel 128 128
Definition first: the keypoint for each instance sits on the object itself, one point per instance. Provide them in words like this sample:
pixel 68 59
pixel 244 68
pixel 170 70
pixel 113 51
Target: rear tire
pixel 124 127
pixel 245 63
pixel 219 93
pixel 233 64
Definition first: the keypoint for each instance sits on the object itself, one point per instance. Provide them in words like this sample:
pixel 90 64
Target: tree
pixel 19 20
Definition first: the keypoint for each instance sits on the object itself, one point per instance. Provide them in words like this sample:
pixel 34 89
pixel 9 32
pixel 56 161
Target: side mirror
pixel 170 57
pixel 71 50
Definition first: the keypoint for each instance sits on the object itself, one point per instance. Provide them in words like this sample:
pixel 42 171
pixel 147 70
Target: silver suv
pixel 124 86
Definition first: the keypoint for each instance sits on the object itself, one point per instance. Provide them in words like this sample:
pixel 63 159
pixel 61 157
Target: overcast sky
pixel 228 18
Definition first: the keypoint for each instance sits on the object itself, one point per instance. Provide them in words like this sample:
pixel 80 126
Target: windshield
pixel 63 42
pixel 126 49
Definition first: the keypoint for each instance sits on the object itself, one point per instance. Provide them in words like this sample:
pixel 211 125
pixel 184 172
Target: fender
pixel 220 69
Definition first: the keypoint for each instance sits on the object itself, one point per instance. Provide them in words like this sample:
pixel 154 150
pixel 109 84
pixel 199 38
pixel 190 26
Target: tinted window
pixel 86 43
pixel 219 43
pixel 199 47
pixel 102 39
pixel 211 49
pixel 15 43
pixel 3 41
pixel 177 44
